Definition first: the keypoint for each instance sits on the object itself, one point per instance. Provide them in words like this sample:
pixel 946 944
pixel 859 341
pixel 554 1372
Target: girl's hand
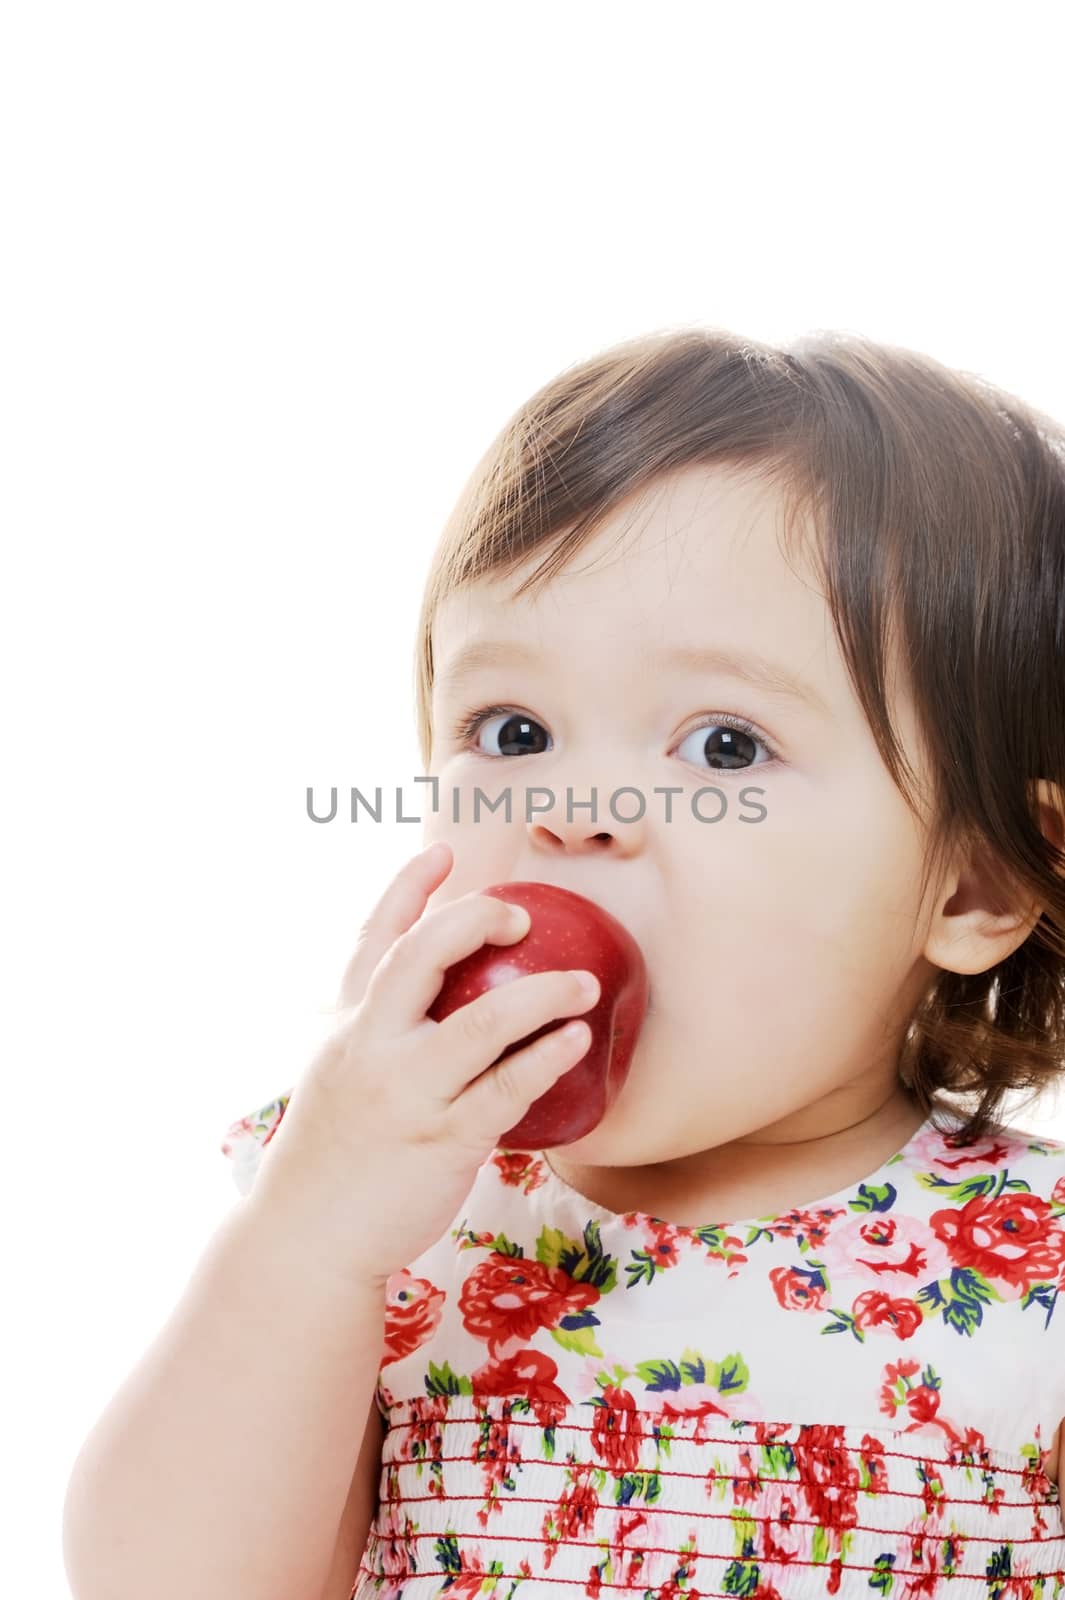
pixel 386 1129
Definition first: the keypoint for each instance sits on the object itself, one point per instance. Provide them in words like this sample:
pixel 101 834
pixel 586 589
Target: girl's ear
pixel 982 916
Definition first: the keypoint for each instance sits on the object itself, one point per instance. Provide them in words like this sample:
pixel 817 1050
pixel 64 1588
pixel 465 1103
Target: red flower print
pixel 874 1309
pixel 913 1265
pixel 922 1403
pixel 662 1241
pixel 529 1374
pixel 423 1440
pixel 970 1447
pixel 510 1298
pixel 629 1559
pixel 697 1401
pixel 671 1590
pixel 879 1230
pixel 577 1511
pixel 921 1400
pixel 1012 1240
pixel 897 1391
pixel 746 1481
pixel 412 1314
pixel 798 1290
pixel 828 1475
pixel 772 1549
pixel 872 1453
pixel 617 1430
pixel 770 1433
pixel 470 1580
pixel 519 1169
pixel 497 1454
pixel 813 1226
pixel 572 1518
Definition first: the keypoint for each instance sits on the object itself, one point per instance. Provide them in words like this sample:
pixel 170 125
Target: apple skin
pixel 567 931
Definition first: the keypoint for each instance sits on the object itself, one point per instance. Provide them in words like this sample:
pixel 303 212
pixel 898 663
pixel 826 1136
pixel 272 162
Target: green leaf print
pixel 446 1551
pixel 642 1486
pixel 550 1245
pixel 741 1576
pixel 1041 1294
pixel 744 1532
pixel 659 1375
pixel 729 1376
pixel 441 1380
pixel 584 1263
pixel 1000 1565
pixel 520 1405
pixel 968 1189
pixel 874 1197
pixel 959 1299
pixel 498 1243
pixel 778 1459
pixel 716 1238
pixel 692 1366
pixel 643 1268
pixel 581 1340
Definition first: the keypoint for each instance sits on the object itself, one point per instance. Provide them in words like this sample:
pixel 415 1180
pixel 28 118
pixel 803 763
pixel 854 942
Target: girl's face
pixel 778 911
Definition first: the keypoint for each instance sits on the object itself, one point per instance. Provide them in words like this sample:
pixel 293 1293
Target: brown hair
pixel 938 502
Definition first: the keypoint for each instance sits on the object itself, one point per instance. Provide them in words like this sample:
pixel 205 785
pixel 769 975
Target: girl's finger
pixel 478 1033
pixel 398 909
pixel 408 980
pixel 498 1099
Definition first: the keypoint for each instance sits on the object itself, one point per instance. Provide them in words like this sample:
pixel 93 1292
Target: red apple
pixel 567 931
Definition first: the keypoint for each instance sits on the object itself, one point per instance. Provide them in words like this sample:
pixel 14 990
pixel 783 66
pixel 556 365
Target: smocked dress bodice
pixel 854 1398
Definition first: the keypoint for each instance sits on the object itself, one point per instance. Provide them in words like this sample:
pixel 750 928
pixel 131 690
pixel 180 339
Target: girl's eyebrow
pixel 749 666
pixel 483 653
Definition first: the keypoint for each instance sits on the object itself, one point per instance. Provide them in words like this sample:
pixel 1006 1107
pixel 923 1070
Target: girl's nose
pixel 576 828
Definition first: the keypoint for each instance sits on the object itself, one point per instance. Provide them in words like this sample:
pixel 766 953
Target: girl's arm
pixel 223 1464
pixel 358 1513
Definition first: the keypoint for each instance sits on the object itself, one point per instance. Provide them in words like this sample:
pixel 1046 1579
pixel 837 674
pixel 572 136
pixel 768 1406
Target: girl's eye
pixel 518 734
pixel 725 744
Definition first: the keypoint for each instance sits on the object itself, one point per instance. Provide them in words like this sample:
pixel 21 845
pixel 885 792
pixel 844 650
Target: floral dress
pixel 856 1397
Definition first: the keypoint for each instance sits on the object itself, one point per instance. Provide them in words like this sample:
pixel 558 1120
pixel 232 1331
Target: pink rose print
pixel 705 1406
pixel 937 1153
pixel 412 1314
pixel 900 1252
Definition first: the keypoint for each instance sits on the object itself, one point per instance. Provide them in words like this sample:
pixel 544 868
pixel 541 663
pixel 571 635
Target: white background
pixel 274 276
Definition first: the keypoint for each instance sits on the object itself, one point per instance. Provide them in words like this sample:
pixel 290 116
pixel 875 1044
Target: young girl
pixel 764 651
